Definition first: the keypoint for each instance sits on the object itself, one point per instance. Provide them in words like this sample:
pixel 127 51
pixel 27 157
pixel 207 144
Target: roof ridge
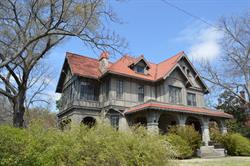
pixel 83 56
pixel 178 54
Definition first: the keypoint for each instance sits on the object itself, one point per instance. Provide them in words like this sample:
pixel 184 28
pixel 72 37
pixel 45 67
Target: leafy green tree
pixel 236 107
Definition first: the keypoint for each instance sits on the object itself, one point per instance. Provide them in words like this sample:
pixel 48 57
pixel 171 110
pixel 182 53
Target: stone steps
pixel 210 152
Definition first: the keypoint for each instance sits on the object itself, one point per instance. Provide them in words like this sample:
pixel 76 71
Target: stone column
pixel 152 122
pixel 223 128
pixel 182 119
pixel 123 124
pixel 152 127
pixel 205 131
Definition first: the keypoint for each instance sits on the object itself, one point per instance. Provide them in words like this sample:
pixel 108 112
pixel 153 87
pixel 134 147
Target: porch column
pixel 205 131
pixel 223 128
pixel 182 119
pixel 152 122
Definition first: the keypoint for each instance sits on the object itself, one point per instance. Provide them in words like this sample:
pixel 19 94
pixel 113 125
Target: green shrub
pixel 189 134
pixel 181 145
pixel 236 144
pixel 215 135
pixel 100 145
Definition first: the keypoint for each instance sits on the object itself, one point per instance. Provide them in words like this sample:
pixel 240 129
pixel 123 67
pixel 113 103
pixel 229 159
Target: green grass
pixel 228 161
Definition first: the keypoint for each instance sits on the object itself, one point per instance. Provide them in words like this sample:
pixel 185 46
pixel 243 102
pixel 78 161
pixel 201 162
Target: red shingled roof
pixel 89 67
pixel 178 108
pixel 83 66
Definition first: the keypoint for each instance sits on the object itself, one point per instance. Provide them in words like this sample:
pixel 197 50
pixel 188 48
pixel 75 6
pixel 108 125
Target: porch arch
pixel 141 121
pixel 89 121
pixel 195 122
pixel 165 121
pixel 217 124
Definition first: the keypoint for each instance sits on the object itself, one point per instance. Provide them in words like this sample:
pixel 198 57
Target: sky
pixel 158 31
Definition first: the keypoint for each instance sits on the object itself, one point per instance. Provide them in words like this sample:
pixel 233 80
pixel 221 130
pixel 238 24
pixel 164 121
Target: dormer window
pixel 139 69
pixel 140 65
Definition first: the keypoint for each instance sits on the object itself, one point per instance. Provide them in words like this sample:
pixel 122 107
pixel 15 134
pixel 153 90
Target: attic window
pixel 139 69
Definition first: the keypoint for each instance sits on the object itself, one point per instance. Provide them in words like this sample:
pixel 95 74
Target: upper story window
pixel 114 120
pixel 89 91
pixel 139 69
pixel 140 93
pixel 191 99
pixel 174 95
pixel 188 73
pixel 119 89
pixel 107 89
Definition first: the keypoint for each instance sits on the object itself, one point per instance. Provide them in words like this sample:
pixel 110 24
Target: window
pixel 174 95
pixel 107 89
pixel 188 72
pixel 119 89
pixel 191 99
pixel 114 120
pixel 88 91
pixel 140 93
pixel 139 69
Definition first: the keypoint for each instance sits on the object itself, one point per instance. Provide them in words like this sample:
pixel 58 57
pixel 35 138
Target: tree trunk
pixel 18 110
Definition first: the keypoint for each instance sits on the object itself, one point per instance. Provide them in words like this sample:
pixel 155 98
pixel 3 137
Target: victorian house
pixel 133 90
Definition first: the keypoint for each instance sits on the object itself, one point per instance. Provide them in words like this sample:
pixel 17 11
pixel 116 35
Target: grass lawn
pixel 227 161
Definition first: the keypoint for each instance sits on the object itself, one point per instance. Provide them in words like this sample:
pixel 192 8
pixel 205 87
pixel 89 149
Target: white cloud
pixel 202 41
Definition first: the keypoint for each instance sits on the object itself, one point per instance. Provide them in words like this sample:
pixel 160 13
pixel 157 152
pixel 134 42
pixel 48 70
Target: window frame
pixel 114 121
pixel 107 89
pixel 193 101
pixel 88 91
pixel 140 69
pixel 141 93
pixel 175 94
pixel 119 89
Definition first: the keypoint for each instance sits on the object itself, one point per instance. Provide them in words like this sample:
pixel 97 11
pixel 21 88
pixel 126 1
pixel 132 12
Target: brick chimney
pixel 103 61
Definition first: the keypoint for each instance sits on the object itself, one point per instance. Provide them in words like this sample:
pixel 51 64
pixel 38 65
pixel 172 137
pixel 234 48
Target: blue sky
pixel 158 31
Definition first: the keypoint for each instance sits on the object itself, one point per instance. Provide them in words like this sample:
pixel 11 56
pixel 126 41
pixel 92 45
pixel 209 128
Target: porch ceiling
pixel 178 108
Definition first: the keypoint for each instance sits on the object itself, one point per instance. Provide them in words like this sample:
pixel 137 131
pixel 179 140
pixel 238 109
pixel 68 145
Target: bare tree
pixel 40 78
pixel 31 28
pixel 232 72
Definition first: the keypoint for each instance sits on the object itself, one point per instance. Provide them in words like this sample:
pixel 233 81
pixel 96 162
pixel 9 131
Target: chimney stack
pixel 103 61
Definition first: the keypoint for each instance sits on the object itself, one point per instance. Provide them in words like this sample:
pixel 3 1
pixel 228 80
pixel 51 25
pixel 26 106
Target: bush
pixel 215 134
pixel 236 144
pixel 100 145
pixel 181 145
pixel 235 126
pixel 189 134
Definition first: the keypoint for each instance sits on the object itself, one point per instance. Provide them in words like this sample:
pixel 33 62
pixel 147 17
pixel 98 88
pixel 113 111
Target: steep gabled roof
pixel 121 67
pixel 165 67
pixel 139 59
pixel 89 67
pixel 83 66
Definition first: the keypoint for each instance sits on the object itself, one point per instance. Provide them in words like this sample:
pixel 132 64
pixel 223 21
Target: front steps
pixel 210 152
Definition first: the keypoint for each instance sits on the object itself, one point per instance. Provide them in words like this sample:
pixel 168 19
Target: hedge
pixel 100 145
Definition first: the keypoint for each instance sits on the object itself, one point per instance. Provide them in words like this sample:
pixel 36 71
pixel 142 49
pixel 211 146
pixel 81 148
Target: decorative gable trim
pixel 63 75
pixel 139 59
pixel 177 66
pixel 197 75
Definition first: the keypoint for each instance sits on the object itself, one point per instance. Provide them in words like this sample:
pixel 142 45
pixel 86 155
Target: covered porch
pixel 158 117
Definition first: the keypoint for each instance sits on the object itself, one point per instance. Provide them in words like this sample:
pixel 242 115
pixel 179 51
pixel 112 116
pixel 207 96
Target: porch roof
pixel 178 108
